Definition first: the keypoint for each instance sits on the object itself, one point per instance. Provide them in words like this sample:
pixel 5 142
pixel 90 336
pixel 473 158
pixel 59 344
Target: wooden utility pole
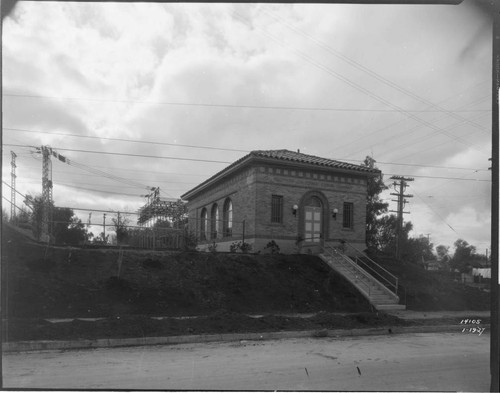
pixel 13 185
pixel 104 227
pixel 46 191
pixel 400 184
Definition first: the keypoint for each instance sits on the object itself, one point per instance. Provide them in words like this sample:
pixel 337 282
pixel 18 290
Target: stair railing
pixel 347 262
pixel 383 275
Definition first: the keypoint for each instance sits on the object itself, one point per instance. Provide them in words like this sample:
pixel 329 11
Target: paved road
pixel 444 361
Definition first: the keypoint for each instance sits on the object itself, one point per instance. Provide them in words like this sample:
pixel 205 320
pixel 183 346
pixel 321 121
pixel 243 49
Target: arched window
pixel 214 221
pixel 203 224
pixel 227 218
pixel 313 201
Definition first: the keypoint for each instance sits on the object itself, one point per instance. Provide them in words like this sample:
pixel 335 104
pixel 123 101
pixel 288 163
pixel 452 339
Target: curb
pixel 27 346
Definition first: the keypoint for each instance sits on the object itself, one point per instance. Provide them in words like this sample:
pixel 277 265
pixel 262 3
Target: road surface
pixel 437 361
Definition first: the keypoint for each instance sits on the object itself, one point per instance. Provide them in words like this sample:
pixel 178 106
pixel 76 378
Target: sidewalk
pixel 410 314
pixel 22 346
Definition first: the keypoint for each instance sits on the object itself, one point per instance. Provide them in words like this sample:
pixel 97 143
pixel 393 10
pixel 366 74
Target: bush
pixel 190 242
pixel 244 247
pixel 273 247
pixel 213 247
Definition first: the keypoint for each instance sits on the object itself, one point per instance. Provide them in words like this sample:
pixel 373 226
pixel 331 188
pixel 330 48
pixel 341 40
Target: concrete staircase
pixel 379 296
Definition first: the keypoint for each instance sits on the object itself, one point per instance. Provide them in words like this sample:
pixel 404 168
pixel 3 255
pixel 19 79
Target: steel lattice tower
pixel 12 185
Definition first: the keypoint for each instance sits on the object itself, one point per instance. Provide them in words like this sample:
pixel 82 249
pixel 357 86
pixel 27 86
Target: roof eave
pixel 248 159
pixel 212 180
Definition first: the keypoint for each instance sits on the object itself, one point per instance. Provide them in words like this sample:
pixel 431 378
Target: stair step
pixel 383 300
pixel 390 307
pixel 372 289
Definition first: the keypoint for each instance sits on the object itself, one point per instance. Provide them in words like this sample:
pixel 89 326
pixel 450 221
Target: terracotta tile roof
pixel 285 156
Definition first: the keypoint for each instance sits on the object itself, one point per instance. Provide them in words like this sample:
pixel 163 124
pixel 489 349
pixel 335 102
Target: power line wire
pixel 355 85
pixel 414 128
pixel 123 140
pixel 435 212
pixel 132 155
pixel 405 135
pixel 276 107
pixel 230 162
pixel 370 72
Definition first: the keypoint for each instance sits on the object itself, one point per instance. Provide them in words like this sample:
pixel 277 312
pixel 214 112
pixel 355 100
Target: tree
pixel 375 207
pixel 162 223
pixel 66 227
pixel 385 238
pixel 417 250
pixel 442 252
pixel 121 229
pixel 101 239
pixel 463 255
pixel 36 203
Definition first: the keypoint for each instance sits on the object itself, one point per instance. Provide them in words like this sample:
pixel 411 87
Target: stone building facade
pixel 300 201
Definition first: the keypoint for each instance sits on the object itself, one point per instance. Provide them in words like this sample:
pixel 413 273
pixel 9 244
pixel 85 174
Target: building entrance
pixel 312 220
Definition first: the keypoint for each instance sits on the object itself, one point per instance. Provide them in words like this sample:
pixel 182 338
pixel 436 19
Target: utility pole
pixel 104 227
pixel 400 184
pixel 46 190
pixel 13 185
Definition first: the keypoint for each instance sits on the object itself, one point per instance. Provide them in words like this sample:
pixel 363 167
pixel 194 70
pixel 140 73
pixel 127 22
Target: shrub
pixel 273 247
pixel 190 242
pixel 213 247
pixel 244 247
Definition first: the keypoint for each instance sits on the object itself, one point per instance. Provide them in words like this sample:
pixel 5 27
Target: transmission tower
pixel 400 184
pixel 46 190
pixel 13 185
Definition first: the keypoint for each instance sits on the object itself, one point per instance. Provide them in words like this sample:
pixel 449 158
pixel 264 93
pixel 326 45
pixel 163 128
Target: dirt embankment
pixel 130 288
pixel 69 282
pixel 423 290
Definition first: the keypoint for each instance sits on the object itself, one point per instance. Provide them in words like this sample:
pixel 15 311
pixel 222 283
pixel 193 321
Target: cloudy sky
pixel 143 95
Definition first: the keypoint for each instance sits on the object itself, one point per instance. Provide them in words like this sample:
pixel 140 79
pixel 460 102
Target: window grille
pixel 277 208
pixel 348 215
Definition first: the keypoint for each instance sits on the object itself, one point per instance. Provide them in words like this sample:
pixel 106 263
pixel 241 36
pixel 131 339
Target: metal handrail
pixel 347 262
pixel 395 281
pixel 380 276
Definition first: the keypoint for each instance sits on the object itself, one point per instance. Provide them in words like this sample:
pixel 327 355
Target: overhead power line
pixel 242 106
pixel 129 154
pixel 370 72
pixel 123 140
pixel 355 85
pixel 230 162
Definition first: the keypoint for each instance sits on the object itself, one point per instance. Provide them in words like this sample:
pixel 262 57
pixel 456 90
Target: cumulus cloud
pixel 401 83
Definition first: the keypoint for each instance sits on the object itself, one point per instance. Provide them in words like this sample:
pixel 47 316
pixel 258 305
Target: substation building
pixel 299 201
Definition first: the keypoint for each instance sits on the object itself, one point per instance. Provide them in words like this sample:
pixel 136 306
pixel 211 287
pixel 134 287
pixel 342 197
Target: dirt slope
pixel 68 282
pixel 432 291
